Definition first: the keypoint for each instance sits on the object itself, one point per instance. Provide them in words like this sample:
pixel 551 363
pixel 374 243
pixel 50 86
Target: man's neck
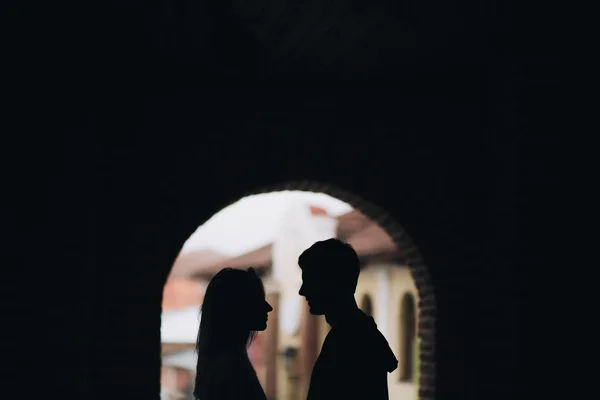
pixel 342 312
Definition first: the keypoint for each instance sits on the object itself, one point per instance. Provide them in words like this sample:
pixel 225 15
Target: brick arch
pixel 426 310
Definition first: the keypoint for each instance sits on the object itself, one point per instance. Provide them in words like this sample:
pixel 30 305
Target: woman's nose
pixel 269 308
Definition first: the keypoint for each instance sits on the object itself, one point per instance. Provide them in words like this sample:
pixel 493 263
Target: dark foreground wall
pixel 132 134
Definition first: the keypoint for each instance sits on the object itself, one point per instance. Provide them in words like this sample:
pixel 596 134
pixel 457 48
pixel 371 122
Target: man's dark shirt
pixel 354 363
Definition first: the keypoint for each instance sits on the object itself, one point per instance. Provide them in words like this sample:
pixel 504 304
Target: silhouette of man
pixel 355 358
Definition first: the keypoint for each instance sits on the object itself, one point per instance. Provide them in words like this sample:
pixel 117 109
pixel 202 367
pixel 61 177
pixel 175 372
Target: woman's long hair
pixel 224 327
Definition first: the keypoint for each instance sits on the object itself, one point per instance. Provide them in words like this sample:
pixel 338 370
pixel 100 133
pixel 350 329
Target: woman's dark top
pixel 230 377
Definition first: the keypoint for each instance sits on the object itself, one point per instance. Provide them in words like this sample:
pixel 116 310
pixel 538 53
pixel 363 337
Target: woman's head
pixel 234 308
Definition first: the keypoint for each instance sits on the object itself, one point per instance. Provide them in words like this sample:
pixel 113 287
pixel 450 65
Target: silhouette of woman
pixel 233 311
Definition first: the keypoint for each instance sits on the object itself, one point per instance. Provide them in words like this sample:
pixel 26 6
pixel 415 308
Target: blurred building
pixel 180 321
pixel 284 354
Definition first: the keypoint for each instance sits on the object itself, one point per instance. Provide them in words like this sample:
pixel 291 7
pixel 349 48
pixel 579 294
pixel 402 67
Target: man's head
pixel 330 270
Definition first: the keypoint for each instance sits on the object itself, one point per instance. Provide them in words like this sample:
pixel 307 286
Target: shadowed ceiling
pixel 343 38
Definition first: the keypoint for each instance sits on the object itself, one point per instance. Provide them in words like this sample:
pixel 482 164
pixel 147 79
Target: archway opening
pixel 268 231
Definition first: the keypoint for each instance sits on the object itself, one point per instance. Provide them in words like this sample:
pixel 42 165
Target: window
pixel 408 333
pixel 367 305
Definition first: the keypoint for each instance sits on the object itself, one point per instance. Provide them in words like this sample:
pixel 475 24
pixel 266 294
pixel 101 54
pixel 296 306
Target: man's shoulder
pixel 358 335
pixel 364 348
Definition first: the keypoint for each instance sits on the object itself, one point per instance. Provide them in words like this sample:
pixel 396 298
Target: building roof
pixel 370 241
pixel 186 264
pixel 350 223
pixel 259 258
pixel 365 235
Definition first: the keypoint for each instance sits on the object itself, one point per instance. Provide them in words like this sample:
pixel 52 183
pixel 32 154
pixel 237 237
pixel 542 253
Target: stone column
pixel 382 300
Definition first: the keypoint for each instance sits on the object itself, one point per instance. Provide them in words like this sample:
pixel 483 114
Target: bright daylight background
pixel 253 221
pixel 385 290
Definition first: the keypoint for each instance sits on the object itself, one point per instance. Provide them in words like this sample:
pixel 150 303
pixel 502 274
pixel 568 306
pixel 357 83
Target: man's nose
pixel 269 308
pixel 301 291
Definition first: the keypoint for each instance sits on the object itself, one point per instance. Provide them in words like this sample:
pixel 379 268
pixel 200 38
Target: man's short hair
pixel 335 260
